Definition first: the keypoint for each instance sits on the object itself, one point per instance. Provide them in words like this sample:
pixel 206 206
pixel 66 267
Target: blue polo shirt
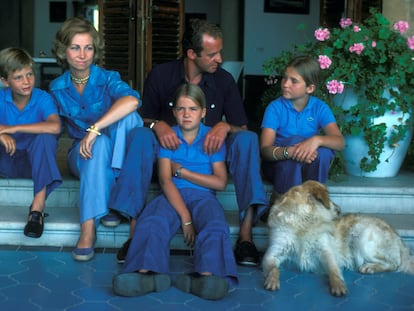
pixel 221 91
pixel 104 87
pixel 38 109
pixel 281 116
pixel 193 157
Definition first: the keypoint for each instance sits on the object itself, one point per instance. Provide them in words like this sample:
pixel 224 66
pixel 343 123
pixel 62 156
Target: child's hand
pixel 8 129
pixel 189 233
pixel 305 151
pixel 9 143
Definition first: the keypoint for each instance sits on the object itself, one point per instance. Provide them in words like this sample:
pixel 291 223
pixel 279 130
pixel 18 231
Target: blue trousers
pixel 243 162
pixel 34 158
pixel 285 174
pixel 98 174
pixel 158 224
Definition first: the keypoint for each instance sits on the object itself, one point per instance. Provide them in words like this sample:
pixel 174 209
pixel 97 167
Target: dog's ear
pixel 319 192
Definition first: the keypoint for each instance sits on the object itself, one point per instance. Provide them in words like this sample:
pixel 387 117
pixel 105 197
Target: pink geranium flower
pixel 357 29
pixel 401 26
pixel 322 34
pixel 335 87
pixel 324 61
pixel 345 22
pixel 356 48
pixel 410 43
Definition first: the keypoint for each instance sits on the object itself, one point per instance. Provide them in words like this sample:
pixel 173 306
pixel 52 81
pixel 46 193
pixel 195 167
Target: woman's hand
pixel 85 146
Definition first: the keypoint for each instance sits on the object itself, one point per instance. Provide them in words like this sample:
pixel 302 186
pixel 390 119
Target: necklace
pixel 79 80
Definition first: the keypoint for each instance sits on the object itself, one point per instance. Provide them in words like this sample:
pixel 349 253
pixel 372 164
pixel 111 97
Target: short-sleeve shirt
pixel 38 109
pixel 104 87
pixel 193 157
pixel 221 91
pixel 282 117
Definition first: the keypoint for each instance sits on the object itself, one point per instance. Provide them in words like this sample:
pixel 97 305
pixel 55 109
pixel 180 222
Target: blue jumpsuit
pixel 97 175
pixel 35 156
pixel 292 127
pixel 223 100
pixel 159 222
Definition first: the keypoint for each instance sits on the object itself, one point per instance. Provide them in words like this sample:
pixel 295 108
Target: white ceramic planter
pixel 356 147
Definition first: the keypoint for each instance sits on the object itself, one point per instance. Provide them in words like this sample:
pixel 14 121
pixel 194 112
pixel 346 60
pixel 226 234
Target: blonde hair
pixel 13 59
pixel 192 92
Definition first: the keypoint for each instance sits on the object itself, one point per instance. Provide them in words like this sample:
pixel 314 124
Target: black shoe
pixel 246 254
pixel 34 226
pixel 123 251
pixel 209 287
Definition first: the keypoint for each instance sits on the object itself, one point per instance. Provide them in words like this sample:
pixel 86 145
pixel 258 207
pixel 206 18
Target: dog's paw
pixel 272 281
pixel 339 289
pixel 369 268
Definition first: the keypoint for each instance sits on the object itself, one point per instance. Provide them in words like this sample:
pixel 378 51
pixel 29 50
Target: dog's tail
pixel 407 262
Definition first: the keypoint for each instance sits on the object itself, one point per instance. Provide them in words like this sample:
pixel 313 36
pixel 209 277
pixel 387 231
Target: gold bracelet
pixel 187 223
pixel 274 153
pixel 94 130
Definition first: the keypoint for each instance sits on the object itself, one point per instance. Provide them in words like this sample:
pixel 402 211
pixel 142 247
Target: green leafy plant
pixel 368 58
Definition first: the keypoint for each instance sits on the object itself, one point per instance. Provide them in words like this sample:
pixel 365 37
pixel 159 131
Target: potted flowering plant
pixel 370 59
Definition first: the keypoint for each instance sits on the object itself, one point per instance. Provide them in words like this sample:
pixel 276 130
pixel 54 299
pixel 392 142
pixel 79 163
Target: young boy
pixel 292 145
pixel 189 178
pixel 29 125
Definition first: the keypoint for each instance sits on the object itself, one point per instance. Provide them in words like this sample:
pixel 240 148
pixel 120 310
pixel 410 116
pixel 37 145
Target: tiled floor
pixel 48 279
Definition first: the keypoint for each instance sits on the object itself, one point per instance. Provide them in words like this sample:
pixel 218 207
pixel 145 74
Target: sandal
pixel 34 226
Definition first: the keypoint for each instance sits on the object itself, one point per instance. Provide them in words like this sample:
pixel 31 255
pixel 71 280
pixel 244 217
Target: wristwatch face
pixel 177 173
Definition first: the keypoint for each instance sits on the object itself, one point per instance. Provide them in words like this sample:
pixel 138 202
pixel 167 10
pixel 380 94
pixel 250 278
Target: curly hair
pixel 70 28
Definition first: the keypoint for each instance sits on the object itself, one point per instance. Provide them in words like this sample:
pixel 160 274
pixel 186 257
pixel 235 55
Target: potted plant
pixel 375 61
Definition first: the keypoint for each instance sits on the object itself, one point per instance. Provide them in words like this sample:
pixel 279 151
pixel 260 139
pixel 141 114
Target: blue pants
pixel 243 162
pixel 98 174
pixel 158 224
pixel 285 174
pixel 34 158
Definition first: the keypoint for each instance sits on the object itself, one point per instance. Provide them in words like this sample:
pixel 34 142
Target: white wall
pixel 266 34
pixel 44 31
pixel 210 7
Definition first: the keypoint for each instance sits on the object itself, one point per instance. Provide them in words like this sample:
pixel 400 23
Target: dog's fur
pixel 305 227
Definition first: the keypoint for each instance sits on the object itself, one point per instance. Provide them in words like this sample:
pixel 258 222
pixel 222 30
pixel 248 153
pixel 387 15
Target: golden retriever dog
pixel 305 227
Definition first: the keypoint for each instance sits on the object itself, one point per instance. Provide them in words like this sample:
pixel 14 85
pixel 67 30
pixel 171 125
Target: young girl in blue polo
pixel 188 178
pixel 29 125
pixel 299 131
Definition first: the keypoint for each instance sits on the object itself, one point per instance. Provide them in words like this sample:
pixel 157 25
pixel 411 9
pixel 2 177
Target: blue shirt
pixel 38 109
pixel 221 91
pixel 193 157
pixel 103 88
pixel 282 117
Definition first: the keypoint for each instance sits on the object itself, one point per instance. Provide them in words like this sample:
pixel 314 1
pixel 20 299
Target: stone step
pixel 389 198
pixel 62 229
pixel 353 194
